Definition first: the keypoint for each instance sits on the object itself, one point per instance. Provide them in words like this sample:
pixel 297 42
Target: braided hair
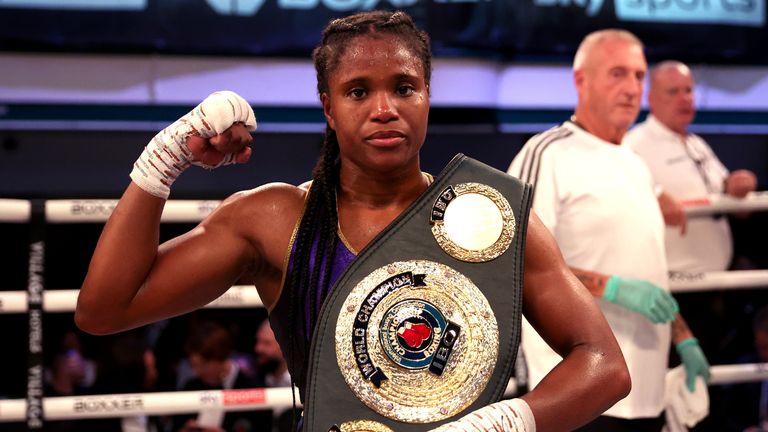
pixel 316 238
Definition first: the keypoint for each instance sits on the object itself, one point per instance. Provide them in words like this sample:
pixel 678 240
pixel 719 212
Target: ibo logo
pixel 410 333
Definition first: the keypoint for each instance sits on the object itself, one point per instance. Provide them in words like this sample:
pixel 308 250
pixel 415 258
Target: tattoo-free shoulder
pixel 265 216
pixel 280 200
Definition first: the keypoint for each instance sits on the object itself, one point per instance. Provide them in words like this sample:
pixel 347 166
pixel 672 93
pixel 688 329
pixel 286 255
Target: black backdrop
pixel 710 31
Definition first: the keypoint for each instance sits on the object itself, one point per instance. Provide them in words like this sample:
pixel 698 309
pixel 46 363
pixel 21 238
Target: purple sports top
pixel 343 259
pixel 299 330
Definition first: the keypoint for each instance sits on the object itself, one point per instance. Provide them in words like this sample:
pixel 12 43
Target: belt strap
pixel 423 327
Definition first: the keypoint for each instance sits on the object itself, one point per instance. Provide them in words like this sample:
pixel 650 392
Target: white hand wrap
pixel 512 415
pixel 167 155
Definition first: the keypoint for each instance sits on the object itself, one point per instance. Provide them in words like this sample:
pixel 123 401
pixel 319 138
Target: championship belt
pixel 424 326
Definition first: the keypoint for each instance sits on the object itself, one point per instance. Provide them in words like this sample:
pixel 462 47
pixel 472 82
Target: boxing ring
pixel 36 301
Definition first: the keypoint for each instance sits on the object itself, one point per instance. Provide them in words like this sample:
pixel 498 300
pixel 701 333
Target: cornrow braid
pixel 320 222
pixel 339 32
pixel 326 173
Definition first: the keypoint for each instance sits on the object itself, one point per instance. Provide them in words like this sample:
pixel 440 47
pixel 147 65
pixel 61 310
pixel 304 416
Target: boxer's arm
pixel 594 282
pixel 593 375
pixel 132 280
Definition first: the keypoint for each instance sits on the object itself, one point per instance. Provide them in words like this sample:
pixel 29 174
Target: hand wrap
pixel 167 155
pixel 512 415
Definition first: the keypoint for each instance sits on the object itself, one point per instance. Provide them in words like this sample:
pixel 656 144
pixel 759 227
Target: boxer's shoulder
pixel 272 204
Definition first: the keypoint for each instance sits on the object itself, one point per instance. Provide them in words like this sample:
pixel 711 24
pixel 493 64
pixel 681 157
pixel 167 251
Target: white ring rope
pixel 15 210
pixel 98 210
pixel 721 203
pixel 132 404
pixel 714 281
pixel 738 373
pixel 246 296
pixel 64 300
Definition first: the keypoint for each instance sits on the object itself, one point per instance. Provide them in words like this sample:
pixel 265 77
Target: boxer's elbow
pixel 93 323
pixel 623 381
pixel 618 379
pixel 94 318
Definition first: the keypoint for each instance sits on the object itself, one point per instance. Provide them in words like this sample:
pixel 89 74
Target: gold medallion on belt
pixel 416 341
pixel 472 222
pixel 361 426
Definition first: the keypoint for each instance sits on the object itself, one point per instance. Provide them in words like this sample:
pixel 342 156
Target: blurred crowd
pixel 200 351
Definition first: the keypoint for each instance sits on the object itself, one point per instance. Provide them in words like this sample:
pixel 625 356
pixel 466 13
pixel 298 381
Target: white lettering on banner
pixel 592 6
pixel 732 12
pixel 735 12
pixel 251 7
pixel 243 397
pixel 240 7
pixel 77 4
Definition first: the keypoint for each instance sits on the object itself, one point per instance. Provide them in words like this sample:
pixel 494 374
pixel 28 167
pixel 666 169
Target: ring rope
pixel 132 404
pixel 719 280
pixel 98 210
pixel 246 296
pixel 65 300
pixel 722 203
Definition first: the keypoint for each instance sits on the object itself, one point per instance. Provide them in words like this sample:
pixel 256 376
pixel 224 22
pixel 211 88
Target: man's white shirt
pixel 597 199
pixel 687 168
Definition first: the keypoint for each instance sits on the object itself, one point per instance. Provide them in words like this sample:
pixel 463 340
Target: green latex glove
pixel 694 361
pixel 642 297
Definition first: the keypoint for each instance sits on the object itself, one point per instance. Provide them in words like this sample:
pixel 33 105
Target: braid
pixel 326 176
pixel 319 223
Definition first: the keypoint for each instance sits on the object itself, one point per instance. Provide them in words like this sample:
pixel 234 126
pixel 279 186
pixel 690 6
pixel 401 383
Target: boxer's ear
pixel 326 101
